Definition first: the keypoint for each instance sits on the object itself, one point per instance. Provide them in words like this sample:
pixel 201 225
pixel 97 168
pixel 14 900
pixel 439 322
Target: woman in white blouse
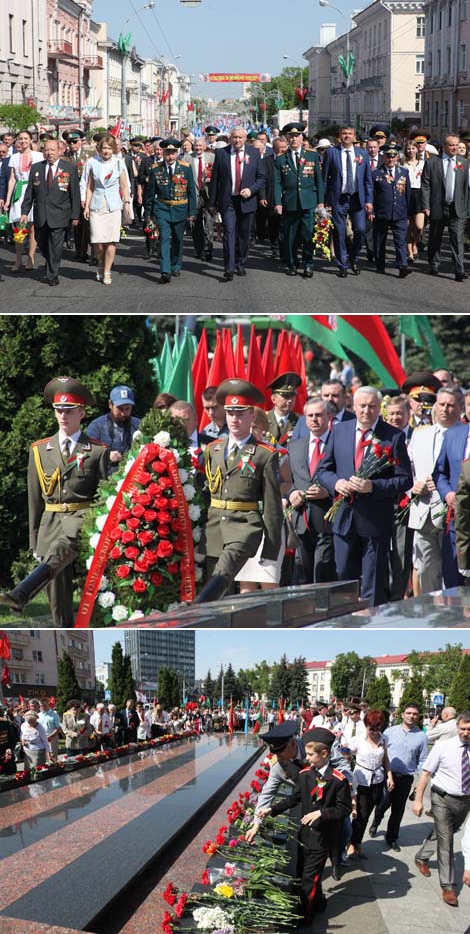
pixel 371 771
pixel 416 218
pixel 20 167
pixel 107 192
pixel 34 741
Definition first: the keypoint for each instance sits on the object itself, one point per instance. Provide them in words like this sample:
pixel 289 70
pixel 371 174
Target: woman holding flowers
pixel 20 168
pixel 371 773
pixel 106 195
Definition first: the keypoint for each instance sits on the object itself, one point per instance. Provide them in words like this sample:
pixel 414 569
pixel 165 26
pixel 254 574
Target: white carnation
pixel 110 502
pixel 137 436
pixel 194 512
pixel 89 562
pixel 120 612
pixel 103 583
pixel 189 492
pixel 176 455
pixel 106 599
pixel 183 474
pixel 162 438
pixel 137 614
pixel 197 531
pixel 94 540
pixel 128 466
pixel 198 574
pixel 119 484
pixel 101 522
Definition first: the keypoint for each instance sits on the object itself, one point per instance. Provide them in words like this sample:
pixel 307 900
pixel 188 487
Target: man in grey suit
pixel 445 198
pixel 310 500
pixel 201 163
pixel 54 190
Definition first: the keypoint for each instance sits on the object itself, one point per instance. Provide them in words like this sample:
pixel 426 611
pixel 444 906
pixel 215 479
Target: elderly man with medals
pixel 63 475
pixel 171 201
pixel 243 479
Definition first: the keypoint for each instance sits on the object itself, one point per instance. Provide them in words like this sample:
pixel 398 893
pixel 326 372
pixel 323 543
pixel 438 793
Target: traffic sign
pixel 437 699
pixel 107 695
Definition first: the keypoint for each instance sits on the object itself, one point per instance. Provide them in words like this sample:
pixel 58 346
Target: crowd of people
pixel 279 189
pixel 363 486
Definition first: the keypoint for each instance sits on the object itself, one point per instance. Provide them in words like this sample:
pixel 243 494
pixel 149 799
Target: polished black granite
pixel 447 609
pixel 78 893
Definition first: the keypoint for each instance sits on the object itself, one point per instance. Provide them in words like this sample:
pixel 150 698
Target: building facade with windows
pixel 23 53
pixel 150 650
pixel 73 57
pixel 387 42
pixel 446 92
pixel 34 655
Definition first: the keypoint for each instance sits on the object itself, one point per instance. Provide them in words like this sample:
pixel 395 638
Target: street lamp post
pixel 348 30
pixel 301 85
pixel 366 669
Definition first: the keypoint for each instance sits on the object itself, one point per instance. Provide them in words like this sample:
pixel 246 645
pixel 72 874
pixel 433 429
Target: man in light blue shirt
pixel 50 720
pixel 407 749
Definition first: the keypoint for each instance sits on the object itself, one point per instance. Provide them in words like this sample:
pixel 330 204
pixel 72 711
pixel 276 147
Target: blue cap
pixel 122 395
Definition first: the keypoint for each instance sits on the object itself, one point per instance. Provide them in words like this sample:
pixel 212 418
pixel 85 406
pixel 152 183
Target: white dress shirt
pixel 369 768
pixel 445 163
pixel 444 762
pixel 72 438
pixel 233 157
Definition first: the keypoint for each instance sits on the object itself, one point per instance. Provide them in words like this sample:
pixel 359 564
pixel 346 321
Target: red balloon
pixel 309 355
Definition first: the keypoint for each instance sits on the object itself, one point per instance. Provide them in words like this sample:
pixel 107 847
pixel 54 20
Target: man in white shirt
pixel 443 727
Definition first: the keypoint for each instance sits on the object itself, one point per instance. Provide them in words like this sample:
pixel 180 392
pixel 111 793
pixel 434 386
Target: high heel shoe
pixel 107 278
pixel 99 275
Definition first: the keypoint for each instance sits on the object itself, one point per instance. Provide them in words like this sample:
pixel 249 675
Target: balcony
pixel 90 62
pixel 59 48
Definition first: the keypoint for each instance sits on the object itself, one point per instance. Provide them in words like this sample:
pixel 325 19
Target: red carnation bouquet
pixel 375 462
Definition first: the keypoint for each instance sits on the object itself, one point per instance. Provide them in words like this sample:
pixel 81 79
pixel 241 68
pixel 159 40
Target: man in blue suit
pixel 392 194
pixel 455 449
pixel 348 190
pixel 332 392
pixel 237 177
pixel 363 525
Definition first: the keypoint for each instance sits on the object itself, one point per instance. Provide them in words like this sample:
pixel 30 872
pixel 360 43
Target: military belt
pixel 166 201
pixel 66 507
pixel 233 504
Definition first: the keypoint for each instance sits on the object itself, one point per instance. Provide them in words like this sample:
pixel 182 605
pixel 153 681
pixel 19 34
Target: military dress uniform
pixel 60 491
pixel 392 196
pixel 170 200
pixel 298 188
pixel 81 233
pixel 245 499
pixel 285 385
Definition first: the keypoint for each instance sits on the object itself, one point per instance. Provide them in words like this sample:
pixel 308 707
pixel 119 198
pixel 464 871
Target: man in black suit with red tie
pixel 237 177
pixel 310 500
pixel 53 189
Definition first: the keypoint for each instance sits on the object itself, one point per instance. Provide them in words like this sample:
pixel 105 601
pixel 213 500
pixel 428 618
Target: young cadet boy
pixel 325 799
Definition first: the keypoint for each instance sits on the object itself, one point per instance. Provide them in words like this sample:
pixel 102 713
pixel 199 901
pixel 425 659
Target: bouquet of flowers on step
pixel 139 538
pixel 321 233
pixel 379 457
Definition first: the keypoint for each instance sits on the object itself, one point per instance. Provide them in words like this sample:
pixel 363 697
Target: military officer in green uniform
pixel 63 475
pixel 75 154
pixel 243 479
pixel 298 190
pixel 282 420
pixel 171 201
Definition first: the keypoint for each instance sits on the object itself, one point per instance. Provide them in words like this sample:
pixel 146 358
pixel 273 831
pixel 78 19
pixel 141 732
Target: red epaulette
pixel 269 447
pixel 97 441
pixel 338 774
pixel 41 441
pixel 305 770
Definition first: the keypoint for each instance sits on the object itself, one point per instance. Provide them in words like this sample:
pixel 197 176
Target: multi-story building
pixel 33 665
pixel 73 56
pixel 446 90
pixel 387 42
pixel 150 650
pixel 103 673
pixel 23 53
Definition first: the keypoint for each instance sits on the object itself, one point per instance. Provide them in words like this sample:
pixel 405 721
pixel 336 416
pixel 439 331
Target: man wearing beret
pixel 63 475
pixel 243 480
pixel 171 201
pixel 392 194
pixel 298 191
pixel 282 419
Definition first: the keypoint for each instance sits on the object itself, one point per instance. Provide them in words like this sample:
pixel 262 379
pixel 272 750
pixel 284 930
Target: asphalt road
pixel 201 288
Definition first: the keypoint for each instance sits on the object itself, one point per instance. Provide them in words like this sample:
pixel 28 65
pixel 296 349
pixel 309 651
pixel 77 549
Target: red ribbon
pixel 100 558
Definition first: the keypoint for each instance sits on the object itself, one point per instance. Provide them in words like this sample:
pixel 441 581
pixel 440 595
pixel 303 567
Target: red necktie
pixel 361 446
pixel 199 173
pixel 238 172
pixel 50 178
pixel 316 457
pixel 372 163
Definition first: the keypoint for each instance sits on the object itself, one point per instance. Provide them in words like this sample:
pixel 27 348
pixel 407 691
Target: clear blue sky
pixel 220 36
pixel 243 648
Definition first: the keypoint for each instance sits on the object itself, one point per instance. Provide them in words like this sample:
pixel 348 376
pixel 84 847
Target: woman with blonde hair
pixel 106 195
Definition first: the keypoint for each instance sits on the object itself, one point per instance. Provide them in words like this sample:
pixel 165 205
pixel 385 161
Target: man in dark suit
pixel 311 500
pixel 298 191
pixel 237 177
pixel 348 190
pixel 445 199
pixel 130 721
pixel 202 161
pixel 455 449
pixel 392 193
pixel 53 189
pixel 363 525
pixel 333 393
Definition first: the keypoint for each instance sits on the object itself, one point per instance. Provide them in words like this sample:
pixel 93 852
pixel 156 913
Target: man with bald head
pixel 442 726
pixel 237 177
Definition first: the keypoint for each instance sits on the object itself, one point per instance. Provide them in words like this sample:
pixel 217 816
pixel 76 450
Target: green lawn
pixel 38 609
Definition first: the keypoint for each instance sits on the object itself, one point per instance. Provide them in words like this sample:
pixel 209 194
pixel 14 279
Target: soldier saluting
pixel 63 475
pixel 243 479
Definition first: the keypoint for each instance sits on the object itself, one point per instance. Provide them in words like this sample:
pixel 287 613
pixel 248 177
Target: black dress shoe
pixel 176 273
pixel 308 272
pixel 460 276
pixel 54 281
pixel 208 256
pixel 373 831
pixel 342 273
pixel 336 873
pixel 380 270
pixel 433 271
pixel 291 271
pixel 228 276
pixel 394 845
pixel 404 272
pixel 241 271
pixel 355 269
pixel 165 278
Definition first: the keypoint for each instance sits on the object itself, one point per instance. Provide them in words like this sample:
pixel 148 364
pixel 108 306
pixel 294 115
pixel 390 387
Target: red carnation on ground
pixel 170 894
pixel 164 549
pixel 123 571
pixel 128 537
pixel 139 586
pixel 205 878
pixel 180 907
pixel 131 552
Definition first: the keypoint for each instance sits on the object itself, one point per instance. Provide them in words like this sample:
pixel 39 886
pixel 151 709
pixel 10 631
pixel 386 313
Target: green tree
pixel 440 668
pixel 116 680
pixel 412 694
pixel 279 93
pixel 67 684
pixel 231 687
pixel 299 681
pixel 169 690
pixel 35 348
pixel 452 334
pixel 281 680
pixel 19 117
pixel 128 680
pixel 348 674
pixel 209 688
pixel 379 696
pixel 459 695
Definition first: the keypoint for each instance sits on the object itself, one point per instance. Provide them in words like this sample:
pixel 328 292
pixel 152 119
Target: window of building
pixel 417 101
pixel 40 679
pixel 420 64
pixel 445 113
pixel 463 9
pixel 448 60
pixel 11 32
pixel 420 21
pixel 449 18
pixel 431 24
pixel 25 40
pixel 463 57
pixel 440 19
pixel 439 63
pixel 37 656
pixel 35 633
pixel 17 654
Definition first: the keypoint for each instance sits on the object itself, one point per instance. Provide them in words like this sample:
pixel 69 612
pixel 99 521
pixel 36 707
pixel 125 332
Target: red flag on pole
pixel 298 366
pixel 116 129
pixel 239 354
pixel 280 716
pixel 6 677
pixel 231 718
pixel 200 372
pixel 254 369
pixel 228 353
pixel 267 359
pixel 5 650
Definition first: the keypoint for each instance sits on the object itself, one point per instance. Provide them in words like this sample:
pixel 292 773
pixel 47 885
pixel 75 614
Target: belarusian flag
pixel 280 716
pixel 418 328
pixel 258 723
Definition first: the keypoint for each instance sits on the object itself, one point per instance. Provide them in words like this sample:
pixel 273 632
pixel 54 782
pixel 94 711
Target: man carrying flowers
pixel 366 467
pixel 170 202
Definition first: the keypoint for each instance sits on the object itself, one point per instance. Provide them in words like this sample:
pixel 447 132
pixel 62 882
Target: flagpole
pixel 403 350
